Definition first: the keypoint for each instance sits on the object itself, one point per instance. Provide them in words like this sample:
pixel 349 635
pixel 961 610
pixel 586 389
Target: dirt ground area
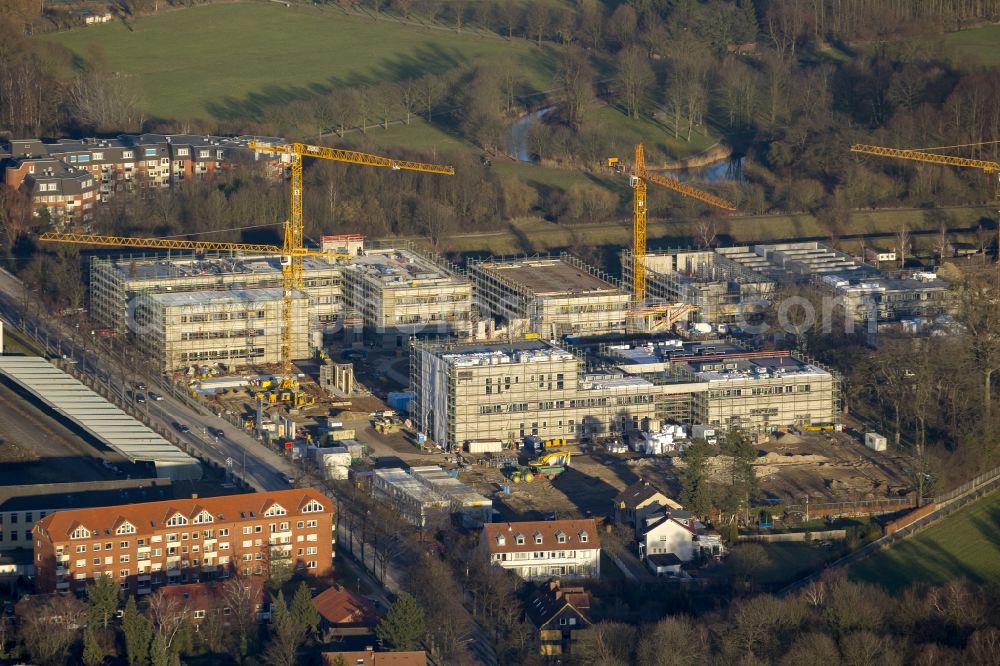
pixel 832 467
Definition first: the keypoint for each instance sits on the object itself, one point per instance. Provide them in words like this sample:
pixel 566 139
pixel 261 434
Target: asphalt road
pixel 251 461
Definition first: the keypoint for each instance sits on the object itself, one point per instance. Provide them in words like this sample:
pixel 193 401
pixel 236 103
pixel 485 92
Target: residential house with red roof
pixel 539 550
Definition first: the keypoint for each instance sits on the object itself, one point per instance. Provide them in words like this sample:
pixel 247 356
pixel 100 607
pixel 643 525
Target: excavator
pixel 546 465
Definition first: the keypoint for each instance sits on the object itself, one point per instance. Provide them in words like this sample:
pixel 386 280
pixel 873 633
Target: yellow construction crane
pixel 293 249
pixel 929 158
pixel 638 179
pixel 294 228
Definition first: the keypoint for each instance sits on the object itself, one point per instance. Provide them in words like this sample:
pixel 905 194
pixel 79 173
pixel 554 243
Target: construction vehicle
pixel 638 179
pixel 985 166
pixel 293 249
pixel 522 475
pixel 551 464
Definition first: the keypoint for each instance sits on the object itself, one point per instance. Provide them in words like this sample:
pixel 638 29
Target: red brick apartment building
pixel 143 546
pixel 68 177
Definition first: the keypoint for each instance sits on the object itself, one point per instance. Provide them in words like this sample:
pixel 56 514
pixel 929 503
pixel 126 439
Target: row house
pixel 111 166
pixel 539 550
pixel 142 546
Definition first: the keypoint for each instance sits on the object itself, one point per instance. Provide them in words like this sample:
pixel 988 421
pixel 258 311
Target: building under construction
pixel 507 391
pixel 721 291
pixel 400 292
pixel 237 327
pixel 116 283
pixel 550 296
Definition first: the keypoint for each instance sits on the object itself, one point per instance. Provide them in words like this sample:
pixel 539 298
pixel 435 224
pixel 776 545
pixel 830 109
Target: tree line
pixel 101 627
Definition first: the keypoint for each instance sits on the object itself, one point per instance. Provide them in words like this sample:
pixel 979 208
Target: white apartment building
pixel 539 550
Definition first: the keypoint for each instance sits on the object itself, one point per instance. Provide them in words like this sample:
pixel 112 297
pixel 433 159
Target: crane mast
pixel 637 180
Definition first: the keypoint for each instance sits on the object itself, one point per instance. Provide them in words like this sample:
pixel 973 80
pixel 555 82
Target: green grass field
pixel 217 61
pixel 966 545
pixel 980 44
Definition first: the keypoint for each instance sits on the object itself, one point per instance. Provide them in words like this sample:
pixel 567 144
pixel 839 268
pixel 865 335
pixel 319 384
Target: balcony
pixel 62 585
pixel 61 571
pixel 143 549
pixel 143 577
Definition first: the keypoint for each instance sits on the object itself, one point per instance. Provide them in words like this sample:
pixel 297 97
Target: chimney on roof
pixel 509 528
pixel 194 495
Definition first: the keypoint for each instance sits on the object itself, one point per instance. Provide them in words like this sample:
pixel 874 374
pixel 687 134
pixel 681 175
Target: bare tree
pixel 706 231
pixel 242 595
pixel 633 78
pixel 903 242
pixel 575 76
pixel 167 614
pixel 50 626
pixel 104 102
pixel 536 19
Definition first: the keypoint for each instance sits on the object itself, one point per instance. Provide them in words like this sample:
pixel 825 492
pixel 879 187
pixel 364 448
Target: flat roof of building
pixel 228 296
pixel 550 277
pixel 517 351
pixel 188 266
pixel 402 267
pixel 758 369
pixel 104 421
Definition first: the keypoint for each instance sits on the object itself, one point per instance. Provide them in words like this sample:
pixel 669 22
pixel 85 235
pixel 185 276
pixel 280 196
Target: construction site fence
pixel 859 506
pixel 820 535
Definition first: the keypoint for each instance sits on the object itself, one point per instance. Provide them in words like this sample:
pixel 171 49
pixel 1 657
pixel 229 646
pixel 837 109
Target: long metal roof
pixel 98 417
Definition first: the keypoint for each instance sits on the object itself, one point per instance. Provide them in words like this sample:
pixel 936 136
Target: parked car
pixel 140 386
pixel 139 397
pixel 180 427
pixel 217 432
pixel 155 396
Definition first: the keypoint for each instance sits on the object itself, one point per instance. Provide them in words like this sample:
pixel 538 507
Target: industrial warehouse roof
pixel 98 417
pixel 181 298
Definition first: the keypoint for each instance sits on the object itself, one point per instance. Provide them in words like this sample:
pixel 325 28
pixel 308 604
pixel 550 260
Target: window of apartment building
pixel 247 530
pixel 203 154
pixel 224 545
pixel 108 560
pixel 258 528
pixel 97 561
pixel 247 543
pixel 127 154
pixel 312 507
pixel 165 161
pixel 519 539
pixel 123 573
pixel 98 156
pixel 171 550
pixel 183 152
pixel 224 532
pixel 81 563
pixel 184 536
pixel 150 152
pixel 81 549
pixel 125 528
pixel 123 559
pixel 313 550
pixel 311 564
pixel 538 537
pixel 123 544
pixel 258 543
pixel 311 523
pixel 300 524
pixel 171 538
